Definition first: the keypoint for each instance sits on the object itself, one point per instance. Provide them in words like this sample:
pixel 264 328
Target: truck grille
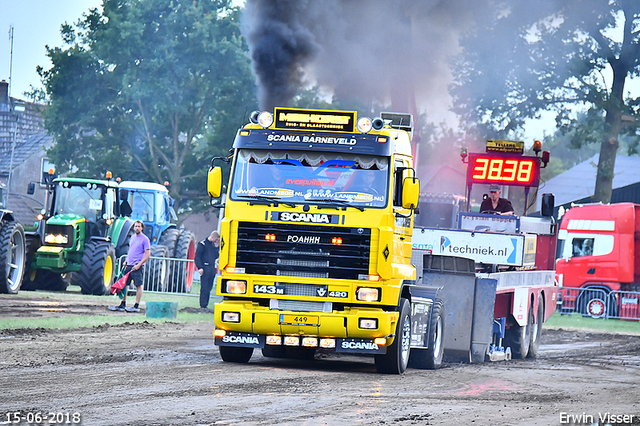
pixel 303 251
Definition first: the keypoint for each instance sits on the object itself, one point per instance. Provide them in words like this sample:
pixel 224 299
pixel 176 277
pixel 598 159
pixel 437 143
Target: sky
pixel 36 23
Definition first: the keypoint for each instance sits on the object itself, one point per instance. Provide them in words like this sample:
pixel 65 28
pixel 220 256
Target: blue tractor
pixel 151 204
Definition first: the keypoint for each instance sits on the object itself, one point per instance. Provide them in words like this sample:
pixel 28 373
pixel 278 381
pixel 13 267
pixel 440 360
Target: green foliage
pixel 149 89
pixel 523 58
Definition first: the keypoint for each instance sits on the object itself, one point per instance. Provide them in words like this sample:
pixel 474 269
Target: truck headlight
pixel 56 239
pixel 231 316
pixel 367 294
pixel 368 323
pixel 236 287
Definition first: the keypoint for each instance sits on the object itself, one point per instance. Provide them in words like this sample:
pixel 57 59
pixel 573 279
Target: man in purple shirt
pixel 139 253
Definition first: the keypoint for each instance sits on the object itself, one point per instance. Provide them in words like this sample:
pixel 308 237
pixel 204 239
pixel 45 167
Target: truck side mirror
pixel 548 205
pixel 214 182
pixel 31 188
pixel 410 192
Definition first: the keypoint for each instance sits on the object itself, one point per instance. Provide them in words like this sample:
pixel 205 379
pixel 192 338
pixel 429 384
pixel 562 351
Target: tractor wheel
pixel 12 257
pixel 181 271
pixel 155 270
pixel 518 338
pixel 169 239
pixel 123 249
pixel 431 358
pixel 43 279
pixel 98 265
pixel 235 354
pixel 396 359
pixel 536 333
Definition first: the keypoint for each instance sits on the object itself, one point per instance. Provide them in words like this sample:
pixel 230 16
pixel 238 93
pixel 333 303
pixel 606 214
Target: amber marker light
pixel 244 133
pixel 380 341
pixel 336 240
pixel 219 333
pixel 109 175
pixel 270 237
pixel 382 139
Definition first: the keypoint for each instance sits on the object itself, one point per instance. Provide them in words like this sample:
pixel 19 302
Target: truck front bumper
pixel 353 330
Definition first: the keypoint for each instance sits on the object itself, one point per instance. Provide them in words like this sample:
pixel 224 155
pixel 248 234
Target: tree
pixel 565 57
pixel 150 89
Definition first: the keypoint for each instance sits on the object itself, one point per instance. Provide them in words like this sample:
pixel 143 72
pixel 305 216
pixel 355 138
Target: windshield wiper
pixel 271 200
pixel 336 203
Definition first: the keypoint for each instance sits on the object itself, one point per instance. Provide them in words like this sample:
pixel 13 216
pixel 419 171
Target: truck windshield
pixel 309 177
pixel 85 201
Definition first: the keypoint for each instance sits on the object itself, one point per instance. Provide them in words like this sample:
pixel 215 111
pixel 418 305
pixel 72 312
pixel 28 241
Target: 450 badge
pixel 280 288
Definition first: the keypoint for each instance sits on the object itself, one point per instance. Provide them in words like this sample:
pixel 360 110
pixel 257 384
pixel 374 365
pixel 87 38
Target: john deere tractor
pixel 79 234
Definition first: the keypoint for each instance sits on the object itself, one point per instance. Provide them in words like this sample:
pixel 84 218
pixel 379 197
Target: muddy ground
pixel 172 374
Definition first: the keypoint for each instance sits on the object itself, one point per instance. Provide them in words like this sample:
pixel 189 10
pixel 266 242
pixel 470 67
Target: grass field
pixel 75 321
pixel 192 301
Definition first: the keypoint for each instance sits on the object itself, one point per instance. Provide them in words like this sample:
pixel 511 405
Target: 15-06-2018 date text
pixel 42 417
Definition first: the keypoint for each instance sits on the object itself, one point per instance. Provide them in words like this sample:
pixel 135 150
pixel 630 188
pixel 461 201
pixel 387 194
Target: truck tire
pixel 181 271
pixel 97 272
pixel 155 270
pixel 431 358
pixel 235 354
pixel 12 256
pixel 536 332
pixel 596 303
pixel 518 338
pixel 396 359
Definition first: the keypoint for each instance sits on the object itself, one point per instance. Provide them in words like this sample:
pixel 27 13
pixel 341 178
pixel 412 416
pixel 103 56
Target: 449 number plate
pixel 299 320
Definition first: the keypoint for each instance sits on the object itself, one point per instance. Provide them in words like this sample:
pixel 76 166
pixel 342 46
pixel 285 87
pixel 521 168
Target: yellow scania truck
pixel 315 248
pixel 318 248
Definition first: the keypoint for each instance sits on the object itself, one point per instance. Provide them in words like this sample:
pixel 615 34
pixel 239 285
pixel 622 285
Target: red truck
pixel 599 260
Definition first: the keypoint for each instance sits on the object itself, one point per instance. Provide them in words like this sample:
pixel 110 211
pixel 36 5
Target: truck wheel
pixel 155 270
pixel 12 257
pixel 396 359
pixel 518 338
pixel 536 332
pixel 97 272
pixel 431 358
pixel 182 269
pixel 592 302
pixel 235 354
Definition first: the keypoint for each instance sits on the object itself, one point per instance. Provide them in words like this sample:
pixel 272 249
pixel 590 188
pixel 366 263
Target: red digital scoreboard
pixel 503 169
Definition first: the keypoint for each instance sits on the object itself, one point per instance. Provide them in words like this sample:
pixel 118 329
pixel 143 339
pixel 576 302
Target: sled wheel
pixel 235 354
pixel 396 359
pixel 97 272
pixel 431 358
pixel 12 257
pixel 518 338
pixel 536 332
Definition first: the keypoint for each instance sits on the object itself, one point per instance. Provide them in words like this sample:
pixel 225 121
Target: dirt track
pixel 170 374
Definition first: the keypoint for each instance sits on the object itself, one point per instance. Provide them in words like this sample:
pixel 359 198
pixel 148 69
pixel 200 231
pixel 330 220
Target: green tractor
pixel 78 237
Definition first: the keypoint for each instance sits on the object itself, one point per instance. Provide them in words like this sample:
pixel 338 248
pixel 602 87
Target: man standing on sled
pixel 139 253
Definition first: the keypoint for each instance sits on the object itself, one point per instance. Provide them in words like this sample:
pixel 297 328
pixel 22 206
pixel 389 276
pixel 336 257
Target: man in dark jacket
pixel 206 261
pixel 496 205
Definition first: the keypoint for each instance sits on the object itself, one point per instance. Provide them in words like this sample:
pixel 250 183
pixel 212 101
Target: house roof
pixel 580 181
pixel 24 150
